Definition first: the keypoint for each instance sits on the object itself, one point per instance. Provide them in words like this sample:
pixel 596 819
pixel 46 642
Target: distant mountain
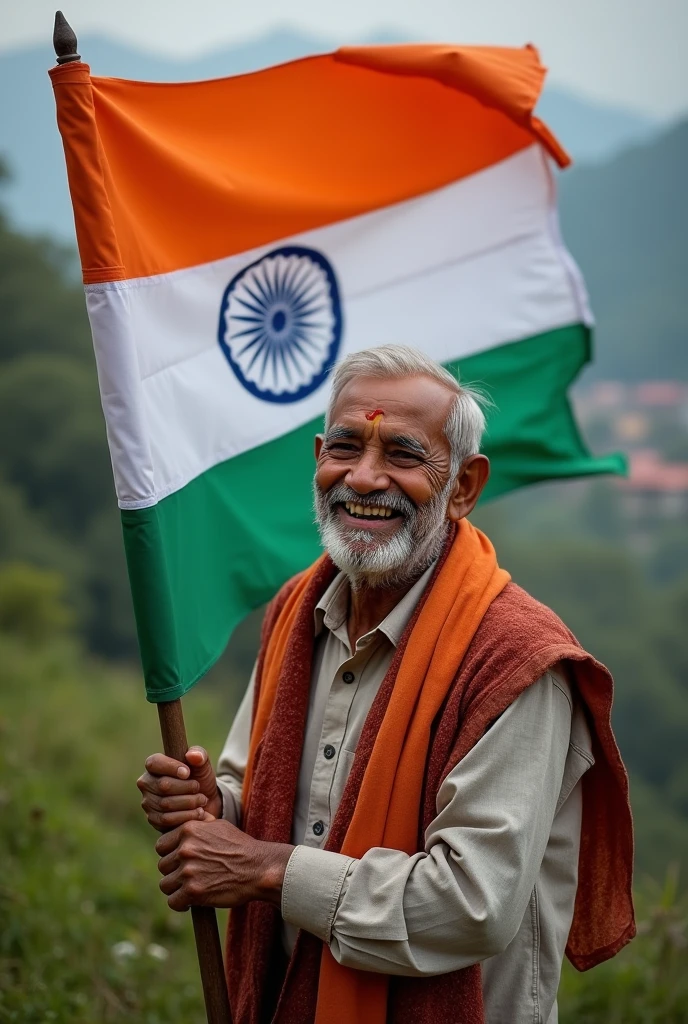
pixel 37 200
pixel 626 223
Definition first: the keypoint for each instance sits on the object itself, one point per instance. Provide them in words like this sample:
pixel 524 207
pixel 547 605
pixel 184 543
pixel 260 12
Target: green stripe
pixel 205 556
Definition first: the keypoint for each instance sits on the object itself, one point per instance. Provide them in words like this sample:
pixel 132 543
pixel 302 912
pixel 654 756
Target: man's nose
pixel 368 474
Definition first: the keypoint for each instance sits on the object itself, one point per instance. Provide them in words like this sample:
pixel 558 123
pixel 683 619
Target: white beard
pixel 388 562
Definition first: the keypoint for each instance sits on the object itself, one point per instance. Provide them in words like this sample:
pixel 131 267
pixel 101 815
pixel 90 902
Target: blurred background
pixel 84 934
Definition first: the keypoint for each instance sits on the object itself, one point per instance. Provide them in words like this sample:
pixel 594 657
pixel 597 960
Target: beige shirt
pixel 496 880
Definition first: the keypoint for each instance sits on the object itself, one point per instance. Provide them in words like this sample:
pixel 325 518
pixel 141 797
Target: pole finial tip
pixel 64 40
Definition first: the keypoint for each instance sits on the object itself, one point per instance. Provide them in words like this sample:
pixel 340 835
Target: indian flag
pixel 239 236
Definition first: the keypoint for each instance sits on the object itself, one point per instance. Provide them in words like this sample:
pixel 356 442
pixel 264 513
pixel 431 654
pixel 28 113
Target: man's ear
pixel 319 438
pixel 471 480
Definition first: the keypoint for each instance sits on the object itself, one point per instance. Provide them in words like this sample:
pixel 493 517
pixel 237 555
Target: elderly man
pixel 420 804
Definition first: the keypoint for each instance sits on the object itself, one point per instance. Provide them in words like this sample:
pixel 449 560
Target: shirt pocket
pixel 339 779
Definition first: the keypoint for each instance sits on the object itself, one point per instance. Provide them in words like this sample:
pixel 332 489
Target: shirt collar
pixel 331 610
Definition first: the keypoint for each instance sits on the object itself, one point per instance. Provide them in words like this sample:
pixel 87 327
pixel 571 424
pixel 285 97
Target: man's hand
pixel 175 792
pixel 218 865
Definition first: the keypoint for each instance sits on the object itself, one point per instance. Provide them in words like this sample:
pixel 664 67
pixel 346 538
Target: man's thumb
pixel 201 768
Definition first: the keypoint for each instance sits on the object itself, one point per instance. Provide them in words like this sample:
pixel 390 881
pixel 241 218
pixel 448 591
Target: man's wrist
pixel 274 859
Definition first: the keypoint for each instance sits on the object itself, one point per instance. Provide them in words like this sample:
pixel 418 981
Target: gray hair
pixel 465 423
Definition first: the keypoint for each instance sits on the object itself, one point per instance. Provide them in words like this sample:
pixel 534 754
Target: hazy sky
pixel 624 51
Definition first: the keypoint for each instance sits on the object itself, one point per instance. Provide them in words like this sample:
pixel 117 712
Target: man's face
pixel 382 478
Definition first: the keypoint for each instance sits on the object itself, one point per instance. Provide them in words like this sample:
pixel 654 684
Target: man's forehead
pixel 419 401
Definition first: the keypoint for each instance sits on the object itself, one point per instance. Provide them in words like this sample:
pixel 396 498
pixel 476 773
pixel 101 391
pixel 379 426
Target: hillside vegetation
pixel 57 504
pixel 626 223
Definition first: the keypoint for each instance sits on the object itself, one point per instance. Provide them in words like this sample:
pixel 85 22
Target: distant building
pixel 612 397
pixel 649 421
pixel 654 488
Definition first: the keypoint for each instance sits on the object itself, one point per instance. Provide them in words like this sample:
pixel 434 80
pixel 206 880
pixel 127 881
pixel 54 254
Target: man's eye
pixel 405 456
pixel 341 446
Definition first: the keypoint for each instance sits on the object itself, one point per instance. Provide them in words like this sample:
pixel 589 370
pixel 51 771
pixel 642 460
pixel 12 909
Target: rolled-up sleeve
pixel 461 899
pixel 231 766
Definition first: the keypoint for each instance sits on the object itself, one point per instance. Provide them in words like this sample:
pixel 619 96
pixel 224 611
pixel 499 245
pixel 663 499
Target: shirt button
pixel 329 751
pixel 348 677
pixel 318 828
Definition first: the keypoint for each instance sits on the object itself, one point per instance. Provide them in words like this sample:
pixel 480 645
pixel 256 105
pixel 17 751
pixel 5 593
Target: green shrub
pixel 647 982
pixel 85 935
pixel 32 603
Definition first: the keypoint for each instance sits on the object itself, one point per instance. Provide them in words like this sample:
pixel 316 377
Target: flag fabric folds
pixel 239 236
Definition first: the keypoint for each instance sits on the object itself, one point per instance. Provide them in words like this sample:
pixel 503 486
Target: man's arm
pixel 463 898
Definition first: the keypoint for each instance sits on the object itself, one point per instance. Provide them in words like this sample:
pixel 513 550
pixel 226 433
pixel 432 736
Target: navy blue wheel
pixel 281 324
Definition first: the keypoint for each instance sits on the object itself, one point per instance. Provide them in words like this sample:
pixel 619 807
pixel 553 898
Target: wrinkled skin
pixel 215 864
pixel 174 792
pixel 204 860
pixel 373 458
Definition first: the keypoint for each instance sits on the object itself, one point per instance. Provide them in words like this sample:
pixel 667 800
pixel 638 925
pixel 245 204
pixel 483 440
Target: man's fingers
pixel 179 890
pixel 154 803
pixel 170 883
pixel 187 802
pixel 164 786
pixel 180 900
pixel 164 822
pixel 197 756
pixel 202 769
pixel 161 764
pixel 169 842
pixel 182 892
pixel 170 797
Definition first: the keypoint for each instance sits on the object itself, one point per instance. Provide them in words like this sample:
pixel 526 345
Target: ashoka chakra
pixel 281 324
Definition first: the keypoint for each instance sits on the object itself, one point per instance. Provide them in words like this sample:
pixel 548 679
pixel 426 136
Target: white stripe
pixel 454 272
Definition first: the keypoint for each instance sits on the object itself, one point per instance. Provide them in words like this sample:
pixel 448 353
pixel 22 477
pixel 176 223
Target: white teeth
pixel 375 511
pixel 359 510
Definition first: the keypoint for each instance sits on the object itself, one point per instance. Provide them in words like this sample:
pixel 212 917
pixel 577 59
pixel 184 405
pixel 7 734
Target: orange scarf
pixel 388 806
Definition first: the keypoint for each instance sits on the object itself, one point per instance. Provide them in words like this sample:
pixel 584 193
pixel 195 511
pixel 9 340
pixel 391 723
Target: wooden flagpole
pixel 204 919
pixel 173 730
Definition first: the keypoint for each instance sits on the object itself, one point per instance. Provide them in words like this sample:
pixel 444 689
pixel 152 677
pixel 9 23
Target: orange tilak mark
pixel 374 415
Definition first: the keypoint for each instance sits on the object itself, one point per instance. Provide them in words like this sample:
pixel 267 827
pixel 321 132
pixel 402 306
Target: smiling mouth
pixel 368 511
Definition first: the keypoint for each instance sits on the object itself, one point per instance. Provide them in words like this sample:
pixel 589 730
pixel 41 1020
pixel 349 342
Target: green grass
pixel 78 871
pixel 77 864
pixel 647 983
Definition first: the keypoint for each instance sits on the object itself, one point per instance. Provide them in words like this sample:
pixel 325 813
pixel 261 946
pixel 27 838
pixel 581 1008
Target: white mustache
pixel 340 493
